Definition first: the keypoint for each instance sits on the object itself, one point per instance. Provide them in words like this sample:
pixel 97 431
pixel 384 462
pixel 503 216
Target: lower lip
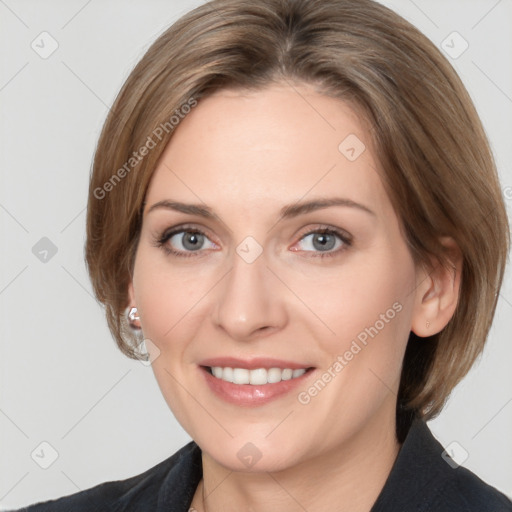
pixel 249 394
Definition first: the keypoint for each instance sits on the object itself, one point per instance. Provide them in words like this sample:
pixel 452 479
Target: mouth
pixel 249 387
pixel 255 377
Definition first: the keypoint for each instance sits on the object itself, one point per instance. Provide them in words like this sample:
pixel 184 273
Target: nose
pixel 250 300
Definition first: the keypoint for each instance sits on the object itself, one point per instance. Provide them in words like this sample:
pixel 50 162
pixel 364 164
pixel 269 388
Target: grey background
pixel 63 381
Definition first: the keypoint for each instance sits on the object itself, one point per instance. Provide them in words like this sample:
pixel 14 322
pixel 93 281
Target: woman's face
pixel 259 283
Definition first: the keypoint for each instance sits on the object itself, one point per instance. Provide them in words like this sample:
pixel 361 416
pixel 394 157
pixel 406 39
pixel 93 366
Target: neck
pixel 351 476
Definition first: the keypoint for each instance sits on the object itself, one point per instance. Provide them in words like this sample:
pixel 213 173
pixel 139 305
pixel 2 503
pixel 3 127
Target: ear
pixel 437 292
pixel 131 295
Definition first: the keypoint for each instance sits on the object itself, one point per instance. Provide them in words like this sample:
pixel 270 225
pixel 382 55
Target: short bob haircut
pixel 438 169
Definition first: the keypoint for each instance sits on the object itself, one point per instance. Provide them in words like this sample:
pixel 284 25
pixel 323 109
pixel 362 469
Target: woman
pixel 295 208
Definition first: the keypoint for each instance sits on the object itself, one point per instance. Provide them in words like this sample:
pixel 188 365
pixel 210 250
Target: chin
pixel 249 454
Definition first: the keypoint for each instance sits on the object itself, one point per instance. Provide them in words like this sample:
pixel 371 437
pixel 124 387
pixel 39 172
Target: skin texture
pixel 246 155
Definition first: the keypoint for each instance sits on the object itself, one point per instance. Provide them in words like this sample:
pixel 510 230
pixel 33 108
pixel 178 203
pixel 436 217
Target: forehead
pixel 269 147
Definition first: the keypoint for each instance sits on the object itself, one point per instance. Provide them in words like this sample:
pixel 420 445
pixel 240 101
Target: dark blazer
pixel 421 480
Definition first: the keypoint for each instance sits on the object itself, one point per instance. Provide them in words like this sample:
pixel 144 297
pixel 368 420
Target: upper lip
pixel 251 364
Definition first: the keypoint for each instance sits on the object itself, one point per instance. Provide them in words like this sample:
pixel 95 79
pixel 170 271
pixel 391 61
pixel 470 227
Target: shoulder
pixel 138 493
pixel 425 479
pixel 457 488
pixel 463 490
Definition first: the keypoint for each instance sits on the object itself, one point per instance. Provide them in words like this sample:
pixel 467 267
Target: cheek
pixel 368 311
pixel 169 305
pixel 364 359
pixel 167 299
pixel 356 295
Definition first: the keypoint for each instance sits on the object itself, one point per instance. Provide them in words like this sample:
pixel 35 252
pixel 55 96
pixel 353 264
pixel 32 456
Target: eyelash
pixel 161 240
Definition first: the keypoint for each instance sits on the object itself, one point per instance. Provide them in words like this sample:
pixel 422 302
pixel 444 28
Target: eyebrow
pixel 287 212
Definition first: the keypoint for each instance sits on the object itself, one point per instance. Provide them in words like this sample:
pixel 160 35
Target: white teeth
pixel 257 376
pixel 226 374
pixel 274 375
pixel 240 375
pixel 287 374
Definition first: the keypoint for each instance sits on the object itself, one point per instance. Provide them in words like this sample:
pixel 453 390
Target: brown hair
pixel 438 168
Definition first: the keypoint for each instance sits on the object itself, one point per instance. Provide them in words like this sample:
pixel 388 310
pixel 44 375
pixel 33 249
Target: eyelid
pixel 168 232
pixel 161 239
pixel 343 236
pixel 342 233
pixel 204 230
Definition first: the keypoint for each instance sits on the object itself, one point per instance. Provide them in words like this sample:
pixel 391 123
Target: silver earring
pixel 132 318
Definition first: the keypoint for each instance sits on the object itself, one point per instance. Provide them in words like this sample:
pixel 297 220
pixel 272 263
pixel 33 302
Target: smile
pixel 253 387
pixel 257 376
